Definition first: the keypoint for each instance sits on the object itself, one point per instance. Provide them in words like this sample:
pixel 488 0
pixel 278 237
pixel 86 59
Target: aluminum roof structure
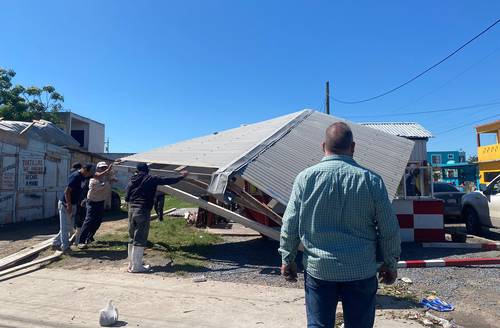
pixel 401 129
pixel 40 130
pixel 216 150
pixel 270 154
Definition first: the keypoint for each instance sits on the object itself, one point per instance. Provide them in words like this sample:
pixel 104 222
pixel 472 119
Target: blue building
pixel 445 157
pixel 451 167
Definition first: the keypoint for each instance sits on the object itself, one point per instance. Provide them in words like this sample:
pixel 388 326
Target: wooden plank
pixel 52 257
pixel 216 209
pixel 167 212
pixel 24 253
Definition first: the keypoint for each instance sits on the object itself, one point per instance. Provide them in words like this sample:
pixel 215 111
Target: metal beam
pixel 216 209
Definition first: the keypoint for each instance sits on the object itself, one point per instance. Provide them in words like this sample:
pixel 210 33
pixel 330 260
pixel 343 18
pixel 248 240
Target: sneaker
pixel 83 246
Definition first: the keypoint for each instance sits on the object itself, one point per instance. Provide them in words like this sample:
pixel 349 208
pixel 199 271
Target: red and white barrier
pixel 447 263
pixel 420 220
pixel 482 246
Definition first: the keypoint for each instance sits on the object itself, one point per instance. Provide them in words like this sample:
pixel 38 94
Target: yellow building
pixel 488 155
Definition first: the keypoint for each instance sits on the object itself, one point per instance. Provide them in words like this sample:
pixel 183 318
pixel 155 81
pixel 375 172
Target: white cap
pixel 101 164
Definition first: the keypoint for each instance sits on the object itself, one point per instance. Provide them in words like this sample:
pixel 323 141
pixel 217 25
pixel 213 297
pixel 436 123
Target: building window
pixel 450 156
pixel 436 159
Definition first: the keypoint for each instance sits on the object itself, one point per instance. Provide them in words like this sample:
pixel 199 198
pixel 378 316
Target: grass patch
pixel 173 239
pixel 171 201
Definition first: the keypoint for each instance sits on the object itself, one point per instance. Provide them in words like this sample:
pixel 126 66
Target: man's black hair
pixel 76 166
pixel 142 167
pixel 88 167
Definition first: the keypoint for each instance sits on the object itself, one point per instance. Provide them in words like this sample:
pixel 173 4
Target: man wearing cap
pixel 140 198
pixel 67 206
pixel 99 189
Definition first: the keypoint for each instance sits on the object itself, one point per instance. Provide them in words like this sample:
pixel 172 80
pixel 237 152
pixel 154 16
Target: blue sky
pixel 157 72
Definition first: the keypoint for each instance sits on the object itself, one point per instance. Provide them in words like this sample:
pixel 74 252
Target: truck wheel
pixel 472 223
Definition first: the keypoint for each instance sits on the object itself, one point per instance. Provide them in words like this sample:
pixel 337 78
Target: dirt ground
pixel 63 298
pixel 254 260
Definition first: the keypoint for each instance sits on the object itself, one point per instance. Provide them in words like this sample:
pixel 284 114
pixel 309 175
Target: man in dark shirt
pixel 140 198
pixel 67 205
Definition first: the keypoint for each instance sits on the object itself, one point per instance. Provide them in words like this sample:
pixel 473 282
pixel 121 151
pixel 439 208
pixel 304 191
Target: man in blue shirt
pixel 67 205
pixel 341 213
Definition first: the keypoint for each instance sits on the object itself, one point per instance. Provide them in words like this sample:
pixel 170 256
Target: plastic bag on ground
pixel 109 315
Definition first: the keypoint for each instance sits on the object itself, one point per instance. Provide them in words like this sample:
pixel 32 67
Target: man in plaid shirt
pixel 341 213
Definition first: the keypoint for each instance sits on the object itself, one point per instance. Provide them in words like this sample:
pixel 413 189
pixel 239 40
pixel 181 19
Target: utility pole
pixel 327 107
pixel 106 144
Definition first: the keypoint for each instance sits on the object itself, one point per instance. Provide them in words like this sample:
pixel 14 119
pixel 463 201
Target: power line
pixel 419 75
pixel 451 109
pixel 451 79
pixel 467 124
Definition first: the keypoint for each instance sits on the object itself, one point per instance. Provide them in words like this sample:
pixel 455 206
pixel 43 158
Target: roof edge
pixel 221 177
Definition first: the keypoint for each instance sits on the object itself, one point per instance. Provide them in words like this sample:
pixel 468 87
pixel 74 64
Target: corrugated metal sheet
pixel 401 129
pixel 216 150
pixel 270 154
pixel 275 169
pixel 43 131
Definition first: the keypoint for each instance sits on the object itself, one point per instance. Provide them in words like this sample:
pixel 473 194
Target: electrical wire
pixel 352 102
pixel 451 109
pixel 467 124
pixel 447 82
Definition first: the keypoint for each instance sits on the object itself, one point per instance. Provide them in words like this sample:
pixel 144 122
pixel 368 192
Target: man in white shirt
pixel 99 189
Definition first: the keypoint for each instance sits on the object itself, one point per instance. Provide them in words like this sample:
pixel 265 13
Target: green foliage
pixel 472 159
pixel 21 103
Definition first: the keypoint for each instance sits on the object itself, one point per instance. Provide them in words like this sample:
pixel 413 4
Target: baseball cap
pixel 102 164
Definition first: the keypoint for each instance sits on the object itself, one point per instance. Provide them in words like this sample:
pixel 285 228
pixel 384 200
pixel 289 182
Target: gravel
pixel 475 291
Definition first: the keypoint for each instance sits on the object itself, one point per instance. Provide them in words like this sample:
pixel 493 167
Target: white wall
pixel 419 152
pixel 96 138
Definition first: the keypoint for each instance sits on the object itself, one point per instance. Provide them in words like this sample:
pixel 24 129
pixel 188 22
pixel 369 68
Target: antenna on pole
pixel 106 144
pixel 327 107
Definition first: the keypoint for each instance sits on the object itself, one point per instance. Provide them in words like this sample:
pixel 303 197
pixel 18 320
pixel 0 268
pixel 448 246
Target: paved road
pixel 73 298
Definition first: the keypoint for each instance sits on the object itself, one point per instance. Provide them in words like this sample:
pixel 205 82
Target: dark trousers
pixel 358 302
pixel 93 220
pixel 158 206
pixel 80 215
pixel 138 225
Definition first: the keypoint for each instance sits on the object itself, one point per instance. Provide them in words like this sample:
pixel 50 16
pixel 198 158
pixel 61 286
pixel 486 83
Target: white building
pixel 34 165
pixel 89 133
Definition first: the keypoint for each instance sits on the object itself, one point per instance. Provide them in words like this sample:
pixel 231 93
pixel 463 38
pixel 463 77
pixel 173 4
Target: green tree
pixel 21 103
pixel 472 159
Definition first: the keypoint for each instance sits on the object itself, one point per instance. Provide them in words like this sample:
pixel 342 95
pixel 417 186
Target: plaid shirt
pixel 333 210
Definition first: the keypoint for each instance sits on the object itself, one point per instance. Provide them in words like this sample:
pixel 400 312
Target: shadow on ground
pixel 387 302
pixel 106 251
pixel 46 227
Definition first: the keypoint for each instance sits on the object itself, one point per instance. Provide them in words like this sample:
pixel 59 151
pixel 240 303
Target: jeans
pixel 138 225
pixel 358 302
pixel 93 220
pixel 66 223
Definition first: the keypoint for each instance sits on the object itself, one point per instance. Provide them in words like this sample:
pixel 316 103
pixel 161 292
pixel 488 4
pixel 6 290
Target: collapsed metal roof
pixel 40 130
pixel 215 150
pixel 401 129
pixel 271 153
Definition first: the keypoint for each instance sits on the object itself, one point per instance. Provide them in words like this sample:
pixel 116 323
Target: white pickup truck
pixel 482 208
